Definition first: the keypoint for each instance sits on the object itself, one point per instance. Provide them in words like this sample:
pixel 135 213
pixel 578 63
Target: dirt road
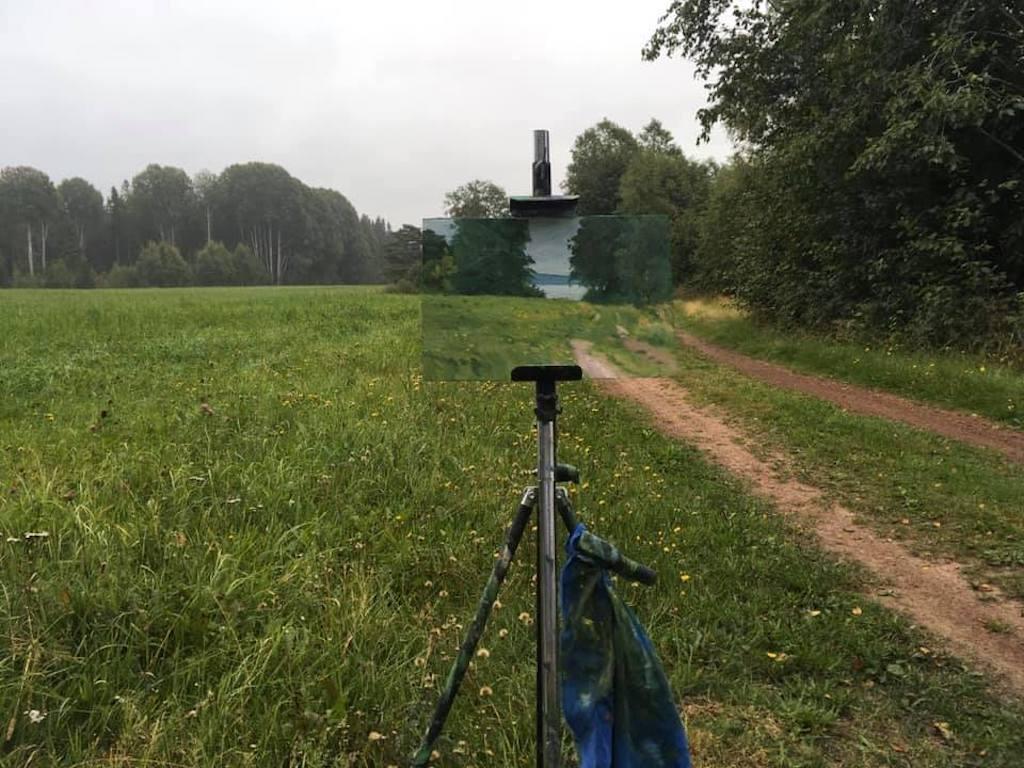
pixel 934 595
pixel 953 424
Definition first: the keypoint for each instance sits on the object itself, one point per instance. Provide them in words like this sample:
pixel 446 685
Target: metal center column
pixel 549 714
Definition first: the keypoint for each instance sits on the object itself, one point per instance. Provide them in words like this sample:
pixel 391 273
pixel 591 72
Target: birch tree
pixel 82 205
pixel 32 202
pixel 205 185
pixel 161 198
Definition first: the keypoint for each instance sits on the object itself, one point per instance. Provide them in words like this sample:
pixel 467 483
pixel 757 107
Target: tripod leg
pixel 476 629
pixel 565 510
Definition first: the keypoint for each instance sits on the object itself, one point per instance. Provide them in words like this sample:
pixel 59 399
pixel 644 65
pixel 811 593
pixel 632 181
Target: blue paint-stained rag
pixel 615 696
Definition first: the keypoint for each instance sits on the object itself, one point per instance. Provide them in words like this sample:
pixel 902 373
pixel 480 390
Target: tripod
pixel 547 497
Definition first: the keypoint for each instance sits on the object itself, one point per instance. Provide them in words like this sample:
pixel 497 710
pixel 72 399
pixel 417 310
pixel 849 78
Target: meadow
pixel 239 528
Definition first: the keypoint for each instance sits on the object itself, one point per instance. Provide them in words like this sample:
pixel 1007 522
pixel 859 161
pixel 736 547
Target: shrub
pixel 84 274
pixel 57 275
pixel 22 280
pixel 121 276
pixel 247 268
pixel 160 265
pixel 215 265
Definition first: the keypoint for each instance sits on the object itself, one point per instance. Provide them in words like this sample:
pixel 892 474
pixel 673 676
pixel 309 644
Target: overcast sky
pixel 391 103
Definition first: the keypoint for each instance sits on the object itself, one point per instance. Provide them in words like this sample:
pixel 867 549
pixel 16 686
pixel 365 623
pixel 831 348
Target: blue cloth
pixel 615 696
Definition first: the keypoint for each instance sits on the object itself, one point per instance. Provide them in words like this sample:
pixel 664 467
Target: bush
pixel 121 276
pixel 215 266
pixel 160 265
pixel 57 275
pixel 84 274
pixel 247 268
pixel 22 280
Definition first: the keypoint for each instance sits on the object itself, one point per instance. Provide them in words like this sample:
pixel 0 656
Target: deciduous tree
pixel 477 199
pixel 600 156
pixel 886 146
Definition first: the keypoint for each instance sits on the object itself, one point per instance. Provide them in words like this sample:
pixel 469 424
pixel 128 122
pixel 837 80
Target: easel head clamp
pixel 551 373
pixel 546 378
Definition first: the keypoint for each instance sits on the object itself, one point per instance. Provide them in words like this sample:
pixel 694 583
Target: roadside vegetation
pixel 942 497
pixel 879 189
pixel 229 538
pixel 989 386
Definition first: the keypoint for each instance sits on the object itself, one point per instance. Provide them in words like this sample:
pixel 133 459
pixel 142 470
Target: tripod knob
pixel 567 473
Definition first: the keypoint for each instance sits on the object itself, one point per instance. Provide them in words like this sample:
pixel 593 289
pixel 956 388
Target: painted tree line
pixel 253 223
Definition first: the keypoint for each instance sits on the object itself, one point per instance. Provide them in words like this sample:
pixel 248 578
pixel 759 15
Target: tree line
pixel 613 171
pixel 880 186
pixel 253 223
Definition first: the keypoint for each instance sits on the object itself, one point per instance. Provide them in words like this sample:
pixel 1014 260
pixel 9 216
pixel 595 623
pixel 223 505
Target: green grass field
pixel 265 531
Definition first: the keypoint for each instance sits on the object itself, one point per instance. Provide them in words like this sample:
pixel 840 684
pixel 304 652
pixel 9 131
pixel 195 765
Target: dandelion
pixel 486 691
pixel 375 736
pixel 856 610
pixel 483 653
pixel 526 618
pixel 35 716
pixel 503 633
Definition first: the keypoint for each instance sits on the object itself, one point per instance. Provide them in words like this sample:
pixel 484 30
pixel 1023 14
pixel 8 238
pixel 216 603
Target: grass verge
pixel 994 389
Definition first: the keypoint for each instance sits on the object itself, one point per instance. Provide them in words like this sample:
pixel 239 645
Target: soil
pixel 934 595
pixel 956 425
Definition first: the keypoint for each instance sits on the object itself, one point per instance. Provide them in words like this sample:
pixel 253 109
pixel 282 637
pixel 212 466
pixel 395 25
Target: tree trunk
pixel 81 239
pixel 268 247
pixel 208 238
pixel 31 259
pixel 279 265
pixel 44 232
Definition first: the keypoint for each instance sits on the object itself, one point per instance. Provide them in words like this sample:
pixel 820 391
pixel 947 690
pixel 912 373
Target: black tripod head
pixel 547 378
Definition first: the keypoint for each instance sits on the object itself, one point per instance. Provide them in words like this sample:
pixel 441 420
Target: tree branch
pixel 1000 143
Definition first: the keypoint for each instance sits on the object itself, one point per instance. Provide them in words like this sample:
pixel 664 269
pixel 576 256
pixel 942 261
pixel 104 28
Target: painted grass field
pixel 264 532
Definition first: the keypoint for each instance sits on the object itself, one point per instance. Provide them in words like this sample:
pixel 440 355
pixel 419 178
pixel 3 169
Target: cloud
pixel 391 103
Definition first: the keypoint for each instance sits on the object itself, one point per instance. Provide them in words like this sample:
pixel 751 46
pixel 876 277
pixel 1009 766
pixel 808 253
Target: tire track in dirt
pixel 934 595
pixel 956 425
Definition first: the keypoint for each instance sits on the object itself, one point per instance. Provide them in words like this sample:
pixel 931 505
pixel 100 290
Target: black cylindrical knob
pixel 541 164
